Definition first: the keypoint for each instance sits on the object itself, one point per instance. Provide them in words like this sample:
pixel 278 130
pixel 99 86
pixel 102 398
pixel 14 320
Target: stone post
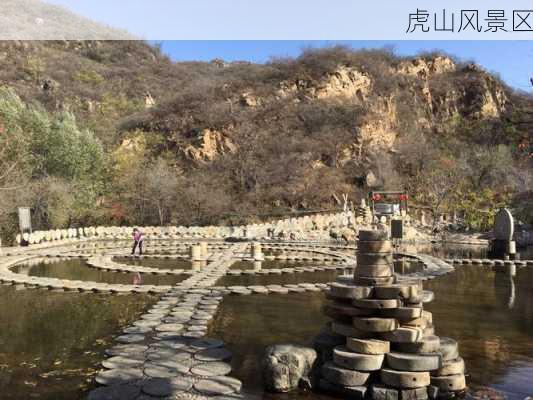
pixel 257 253
pixel 503 245
pixel 205 249
pixel 379 328
pixel 423 221
pixel 196 253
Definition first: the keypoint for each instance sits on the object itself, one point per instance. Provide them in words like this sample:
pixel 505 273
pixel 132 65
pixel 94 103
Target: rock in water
pixel 285 366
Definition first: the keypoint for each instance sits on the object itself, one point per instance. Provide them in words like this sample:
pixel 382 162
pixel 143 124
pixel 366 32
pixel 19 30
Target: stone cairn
pixel 381 343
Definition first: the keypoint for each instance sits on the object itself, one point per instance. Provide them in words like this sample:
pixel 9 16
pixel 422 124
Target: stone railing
pixel 297 228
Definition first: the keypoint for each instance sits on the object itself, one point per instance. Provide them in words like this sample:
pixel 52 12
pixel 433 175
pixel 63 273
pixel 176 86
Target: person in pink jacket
pixel 137 241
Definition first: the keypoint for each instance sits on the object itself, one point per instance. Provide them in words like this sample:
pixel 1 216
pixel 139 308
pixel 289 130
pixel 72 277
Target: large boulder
pixel 286 367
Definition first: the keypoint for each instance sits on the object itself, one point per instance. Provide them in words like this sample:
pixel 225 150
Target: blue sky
pixel 263 21
pixel 512 60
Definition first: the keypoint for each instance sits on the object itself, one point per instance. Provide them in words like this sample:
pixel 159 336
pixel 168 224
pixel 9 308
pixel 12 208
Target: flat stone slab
pixel 351 392
pixel 167 387
pixel 373 235
pixel 378 271
pixel 374 246
pixel 222 385
pixel 403 335
pixel 207 343
pixel 350 291
pixel 413 362
pixel 211 369
pixel 382 392
pixel 349 331
pixel 210 355
pixel 130 338
pixel 181 366
pixel 344 358
pixel 159 371
pixel 177 343
pixel 128 350
pixel 404 379
pixel 428 344
pixel 451 367
pixel 368 346
pixel 137 329
pixel 450 383
pixel 118 376
pixel 146 323
pixel 448 348
pixel 376 303
pixel 168 354
pixel 118 362
pixel 334 310
pixel 374 281
pixel 403 313
pixel 373 259
pixel 375 324
pixel 169 328
pixel 344 377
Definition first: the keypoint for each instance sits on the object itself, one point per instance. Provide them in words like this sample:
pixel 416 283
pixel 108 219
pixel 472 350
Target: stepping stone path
pixel 388 347
pixel 165 354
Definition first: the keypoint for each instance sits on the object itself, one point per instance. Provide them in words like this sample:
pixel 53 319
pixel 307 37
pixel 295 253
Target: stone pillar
pixel 197 265
pixel 196 253
pixel 503 245
pixel 374 258
pixel 205 249
pixel 257 253
pixel 423 221
pixel 379 326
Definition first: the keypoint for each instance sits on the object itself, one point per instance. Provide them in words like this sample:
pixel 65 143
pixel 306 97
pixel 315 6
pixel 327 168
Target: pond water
pixel 155 263
pixel 277 264
pixel 78 270
pixel 490 316
pixel 275 279
pixel 405 266
pixel 450 250
pixel 51 343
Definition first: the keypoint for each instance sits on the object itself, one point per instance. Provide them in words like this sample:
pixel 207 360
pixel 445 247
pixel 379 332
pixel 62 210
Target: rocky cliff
pixel 289 133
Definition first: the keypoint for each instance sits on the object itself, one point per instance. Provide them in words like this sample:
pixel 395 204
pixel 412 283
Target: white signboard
pixel 24 219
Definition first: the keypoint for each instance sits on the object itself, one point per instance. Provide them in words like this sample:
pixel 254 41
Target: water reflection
pixel 281 279
pixel 155 262
pixel 406 266
pixel 78 270
pixel 450 250
pixel 277 264
pixel 491 314
pixel 51 343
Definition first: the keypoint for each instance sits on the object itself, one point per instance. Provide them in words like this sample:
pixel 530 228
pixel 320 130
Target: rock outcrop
pixel 209 144
pixel 286 367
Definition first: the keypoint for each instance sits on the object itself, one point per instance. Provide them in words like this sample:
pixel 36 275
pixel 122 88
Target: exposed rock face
pixel 345 82
pixel 249 100
pixel 149 101
pixel 286 366
pixel 436 110
pixel 380 128
pixel 210 144
pixel 424 68
pixel 346 234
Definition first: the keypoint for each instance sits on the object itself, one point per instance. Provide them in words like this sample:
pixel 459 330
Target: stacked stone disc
pixel 383 343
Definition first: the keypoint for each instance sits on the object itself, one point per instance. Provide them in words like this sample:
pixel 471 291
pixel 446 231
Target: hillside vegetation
pixel 114 132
